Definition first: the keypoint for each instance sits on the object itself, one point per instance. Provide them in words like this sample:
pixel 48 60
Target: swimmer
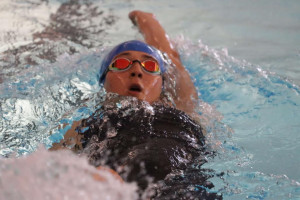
pixel 142 143
pixel 135 68
pixel 147 76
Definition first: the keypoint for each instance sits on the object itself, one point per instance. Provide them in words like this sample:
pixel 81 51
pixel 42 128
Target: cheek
pixel 114 83
pixel 154 88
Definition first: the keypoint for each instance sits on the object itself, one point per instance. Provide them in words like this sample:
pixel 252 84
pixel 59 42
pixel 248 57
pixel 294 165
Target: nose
pixel 136 70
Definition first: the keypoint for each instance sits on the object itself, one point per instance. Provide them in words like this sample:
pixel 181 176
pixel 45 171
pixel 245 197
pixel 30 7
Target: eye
pixel 151 66
pixel 121 63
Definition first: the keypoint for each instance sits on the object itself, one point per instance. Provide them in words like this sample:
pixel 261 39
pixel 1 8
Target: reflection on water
pixel 74 25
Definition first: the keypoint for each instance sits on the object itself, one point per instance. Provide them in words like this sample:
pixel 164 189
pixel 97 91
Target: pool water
pixel 244 59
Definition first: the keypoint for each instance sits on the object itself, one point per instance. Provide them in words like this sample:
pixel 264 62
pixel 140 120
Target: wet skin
pixel 135 81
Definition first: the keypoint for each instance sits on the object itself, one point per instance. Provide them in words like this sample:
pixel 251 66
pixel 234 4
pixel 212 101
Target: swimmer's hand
pixel 107 170
pixel 136 15
pixel 154 34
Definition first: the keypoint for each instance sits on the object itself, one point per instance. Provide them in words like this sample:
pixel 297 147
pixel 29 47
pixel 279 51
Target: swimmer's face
pixel 135 81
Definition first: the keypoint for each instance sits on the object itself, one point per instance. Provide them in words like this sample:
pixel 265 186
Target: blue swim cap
pixel 132 45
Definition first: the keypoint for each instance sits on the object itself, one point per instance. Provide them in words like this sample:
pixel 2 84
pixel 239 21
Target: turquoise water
pixel 244 59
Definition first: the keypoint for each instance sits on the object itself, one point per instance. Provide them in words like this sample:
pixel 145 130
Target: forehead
pixel 134 55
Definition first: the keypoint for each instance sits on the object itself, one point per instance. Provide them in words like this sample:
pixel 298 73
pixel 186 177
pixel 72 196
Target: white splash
pixel 58 175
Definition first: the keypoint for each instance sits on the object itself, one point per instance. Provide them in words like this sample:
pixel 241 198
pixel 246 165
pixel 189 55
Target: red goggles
pixel 122 64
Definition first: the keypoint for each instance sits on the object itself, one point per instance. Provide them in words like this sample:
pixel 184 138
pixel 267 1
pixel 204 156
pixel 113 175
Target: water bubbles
pixel 119 105
pixel 49 94
pixel 236 98
pixel 111 132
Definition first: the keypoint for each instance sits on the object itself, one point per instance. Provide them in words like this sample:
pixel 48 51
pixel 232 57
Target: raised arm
pixel 155 35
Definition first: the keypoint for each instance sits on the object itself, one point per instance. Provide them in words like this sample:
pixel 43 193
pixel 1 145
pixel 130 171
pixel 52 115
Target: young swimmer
pixel 160 142
pixel 154 36
pixel 135 80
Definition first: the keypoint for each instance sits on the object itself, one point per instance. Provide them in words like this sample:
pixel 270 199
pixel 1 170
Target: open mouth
pixel 135 88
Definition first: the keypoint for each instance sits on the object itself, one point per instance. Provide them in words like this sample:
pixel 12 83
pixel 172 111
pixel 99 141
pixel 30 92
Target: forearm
pixel 156 36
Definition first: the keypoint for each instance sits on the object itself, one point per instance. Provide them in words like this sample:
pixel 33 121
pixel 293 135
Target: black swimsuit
pixel 143 141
